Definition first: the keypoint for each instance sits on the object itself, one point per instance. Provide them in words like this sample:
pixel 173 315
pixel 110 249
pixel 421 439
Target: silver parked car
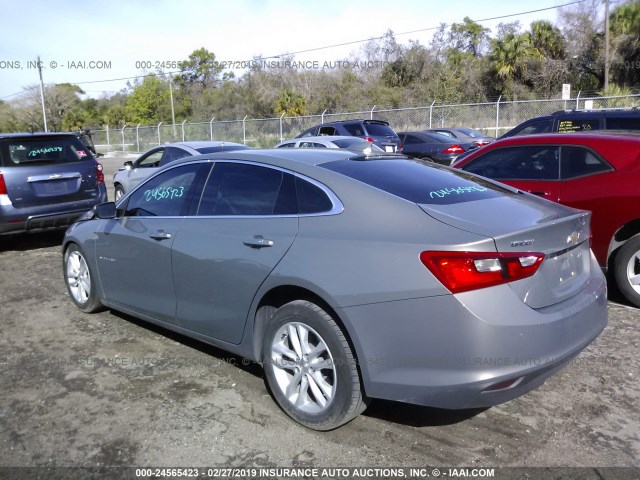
pixel 332 141
pixel 349 277
pixel 132 173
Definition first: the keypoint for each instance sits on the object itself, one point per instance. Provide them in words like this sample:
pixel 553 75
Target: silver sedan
pixel 355 144
pixel 349 276
pixel 132 173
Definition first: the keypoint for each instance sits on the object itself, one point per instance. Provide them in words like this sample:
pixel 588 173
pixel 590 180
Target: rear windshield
pixel 42 150
pixel 418 181
pixel 349 142
pixel 379 130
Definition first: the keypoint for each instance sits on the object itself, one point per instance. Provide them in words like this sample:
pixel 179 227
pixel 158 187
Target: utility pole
pixel 173 113
pixel 606 45
pixel 44 112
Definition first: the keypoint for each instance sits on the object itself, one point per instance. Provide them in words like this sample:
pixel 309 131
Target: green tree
pixel 201 69
pixel 290 103
pixel 149 102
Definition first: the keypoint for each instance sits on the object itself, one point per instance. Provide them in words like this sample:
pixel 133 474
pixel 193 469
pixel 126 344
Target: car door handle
pixel 258 241
pixel 160 235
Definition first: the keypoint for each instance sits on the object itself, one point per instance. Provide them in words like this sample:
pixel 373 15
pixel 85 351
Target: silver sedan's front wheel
pixel 79 280
pixel 303 367
pixel 310 367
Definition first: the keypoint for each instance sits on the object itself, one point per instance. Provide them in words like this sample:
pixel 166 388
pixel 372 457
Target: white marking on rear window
pixel 457 190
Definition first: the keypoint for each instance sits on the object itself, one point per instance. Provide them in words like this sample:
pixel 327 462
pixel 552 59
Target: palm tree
pixel 547 40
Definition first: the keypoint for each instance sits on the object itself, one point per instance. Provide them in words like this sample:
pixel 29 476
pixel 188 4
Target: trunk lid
pixel 522 223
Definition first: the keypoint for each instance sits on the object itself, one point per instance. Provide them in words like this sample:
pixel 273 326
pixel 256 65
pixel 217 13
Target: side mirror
pixel 105 210
pixel 128 164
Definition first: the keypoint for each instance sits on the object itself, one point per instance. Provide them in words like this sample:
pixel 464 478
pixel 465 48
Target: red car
pixel 590 171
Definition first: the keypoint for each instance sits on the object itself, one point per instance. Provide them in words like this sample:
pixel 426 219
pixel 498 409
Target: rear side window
pixel 417 181
pixel 43 151
pixel 327 131
pixel 623 123
pixel 354 129
pixel 578 162
pixel 311 198
pixel 539 162
pixel 568 125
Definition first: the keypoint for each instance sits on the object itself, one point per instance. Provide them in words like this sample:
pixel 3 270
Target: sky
pixel 91 40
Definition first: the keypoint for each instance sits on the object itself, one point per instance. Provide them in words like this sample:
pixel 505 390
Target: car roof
pixel 297 159
pixel 37 134
pixel 204 144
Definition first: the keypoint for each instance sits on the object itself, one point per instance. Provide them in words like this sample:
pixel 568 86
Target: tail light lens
pixel 99 173
pixel 453 149
pixel 369 139
pixel 3 186
pixel 464 271
pixel 400 147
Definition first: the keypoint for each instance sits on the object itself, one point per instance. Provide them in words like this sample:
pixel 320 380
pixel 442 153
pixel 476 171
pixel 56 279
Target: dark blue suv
pixel 377 132
pixel 47 180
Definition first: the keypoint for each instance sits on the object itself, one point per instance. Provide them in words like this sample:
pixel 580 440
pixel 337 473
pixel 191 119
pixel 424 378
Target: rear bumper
pixel 447 351
pixel 16 220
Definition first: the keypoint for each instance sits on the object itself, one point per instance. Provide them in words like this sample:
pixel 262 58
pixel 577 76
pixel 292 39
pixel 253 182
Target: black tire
pixel 338 373
pixel 627 265
pixel 119 192
pixel 80 280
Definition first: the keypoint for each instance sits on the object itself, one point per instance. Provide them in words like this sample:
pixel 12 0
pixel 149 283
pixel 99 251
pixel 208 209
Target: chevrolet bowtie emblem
pixel 573 238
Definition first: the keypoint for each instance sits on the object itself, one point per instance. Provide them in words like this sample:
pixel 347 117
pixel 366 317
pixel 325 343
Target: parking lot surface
pixel 109 390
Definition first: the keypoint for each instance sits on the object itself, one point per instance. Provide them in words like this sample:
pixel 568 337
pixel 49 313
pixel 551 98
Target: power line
pixel 344 44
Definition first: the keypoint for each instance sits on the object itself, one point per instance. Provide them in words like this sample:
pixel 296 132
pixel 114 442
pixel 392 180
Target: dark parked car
pixel 377 132
pixel 47 180
pixel 466 135
pixel 132 173
pixel 349 277
pixel 433 146
pixel 591 171
pixel 568 121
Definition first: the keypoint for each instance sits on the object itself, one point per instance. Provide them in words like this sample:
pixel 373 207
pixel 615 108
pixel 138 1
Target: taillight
pixel 3 186
pixel 453 149
pixel 464 271
pixel 400 147
pixel 99 174
pixel 369 139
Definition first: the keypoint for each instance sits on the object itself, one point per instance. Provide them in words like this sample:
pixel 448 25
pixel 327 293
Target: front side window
pixel 541 126
pixel 248 190
pixel 169 194
pixel 152 160
pixel 539 162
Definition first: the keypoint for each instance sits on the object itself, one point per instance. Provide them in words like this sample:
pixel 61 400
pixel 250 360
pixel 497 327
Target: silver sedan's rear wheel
pixel 79 280
pixel 304 368
pixel 627 270
pixel 310 367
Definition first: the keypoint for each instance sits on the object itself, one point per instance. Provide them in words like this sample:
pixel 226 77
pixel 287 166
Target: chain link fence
pixel 494 119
